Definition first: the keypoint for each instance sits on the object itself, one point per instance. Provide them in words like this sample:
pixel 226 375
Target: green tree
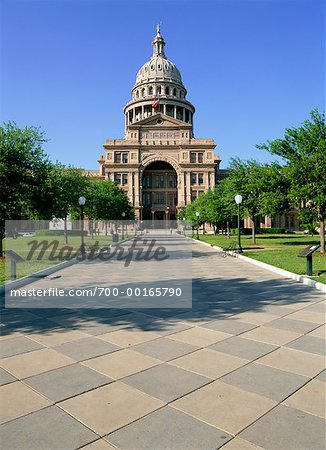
pixel 106 201
pixel 25 169
pixel 68 184
pixel 304 150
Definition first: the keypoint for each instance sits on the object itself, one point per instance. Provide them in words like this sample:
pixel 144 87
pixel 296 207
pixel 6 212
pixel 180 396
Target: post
pixel 239 249
pixel 82 229
pixel 309 265
pixel 13 269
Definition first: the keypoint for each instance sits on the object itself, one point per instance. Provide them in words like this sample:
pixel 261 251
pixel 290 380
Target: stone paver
pixel 165 349
pixel 243 348
pixel 224 406
pixel 110 407
pixel 166 382
pixel 295 361
pixel 49 428
pixel 66 382
pixel 16 346
pixel 121 364
pixel 86 348
pixel 253 377
pixel 248 358
pixel 287 428
pixel 209 363
pixel 310 398
pixel 18 400
pixel 180 431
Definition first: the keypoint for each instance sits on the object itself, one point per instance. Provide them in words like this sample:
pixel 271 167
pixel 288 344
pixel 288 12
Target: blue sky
pixel 252 68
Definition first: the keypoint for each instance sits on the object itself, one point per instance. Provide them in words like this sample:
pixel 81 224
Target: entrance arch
pixel 159 192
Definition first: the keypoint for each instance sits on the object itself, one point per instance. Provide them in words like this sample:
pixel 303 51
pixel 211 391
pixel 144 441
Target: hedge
pixel 272 230
pixel 59 232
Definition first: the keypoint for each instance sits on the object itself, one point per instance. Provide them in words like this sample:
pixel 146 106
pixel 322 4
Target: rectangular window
pixel 155 135
pixel 200 178
pixel 184 155
pixel 193 158
pixel 170 135
pixel 176 135
pixel 117 157
pixel 200 157
pixel 163 135
pixel 148 135
pixel 193 195
pixel 171 199
pixel 124 179
pixel 193 178
pixel 117 178
pixel 124 158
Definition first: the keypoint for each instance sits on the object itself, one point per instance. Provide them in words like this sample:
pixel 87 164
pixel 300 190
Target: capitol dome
pixel 158 68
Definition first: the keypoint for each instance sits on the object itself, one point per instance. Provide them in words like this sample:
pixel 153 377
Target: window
pixel 143 92
pixel 176 135
pixel 184 155
pixel 170 135
pixel 200 157
pixel 124 179
pixel 158 89
pixel 200 193
pixel 117 178
pixel 193 178
pixel 147 181
pixel 137 94
pixel 117 157
pixel 159 181
pixel 150 90
pixel 163 135
pixel 124 158
pixel 171 199
pixel 193 195
pixel 193 157
pixel 172 181
pixel 167 91
pixel 155 135
pixel 174 92
pixel 148 135
pixel 200 178
pixel 160 198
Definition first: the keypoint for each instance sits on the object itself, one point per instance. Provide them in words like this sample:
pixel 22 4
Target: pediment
pixel 160 120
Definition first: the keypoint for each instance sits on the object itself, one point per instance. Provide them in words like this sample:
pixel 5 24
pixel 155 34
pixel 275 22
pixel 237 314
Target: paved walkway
pixel 244 369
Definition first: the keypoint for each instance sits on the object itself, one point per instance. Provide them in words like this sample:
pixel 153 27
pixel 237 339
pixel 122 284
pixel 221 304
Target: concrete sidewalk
pixel 243 369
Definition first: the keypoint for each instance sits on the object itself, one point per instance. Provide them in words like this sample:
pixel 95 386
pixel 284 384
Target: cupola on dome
pixel 158 67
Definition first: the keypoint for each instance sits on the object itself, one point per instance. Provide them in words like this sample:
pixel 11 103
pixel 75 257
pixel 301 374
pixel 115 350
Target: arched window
pixel 167 90
pixel 158 89
pixel 180 94
pixel 150 90
pixel 143 92
pixel 175 92
pixel 137 94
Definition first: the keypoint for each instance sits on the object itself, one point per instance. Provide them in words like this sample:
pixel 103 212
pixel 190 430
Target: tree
pixel 304 150
pixel 68 184
pixel 24 175
pixel 106 201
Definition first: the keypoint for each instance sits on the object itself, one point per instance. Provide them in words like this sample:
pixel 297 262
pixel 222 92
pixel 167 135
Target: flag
pixel 156 101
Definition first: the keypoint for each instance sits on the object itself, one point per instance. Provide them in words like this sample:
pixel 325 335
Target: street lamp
pixel 184 225
pixel 123 216
pixel 197 215
pixel 82 201
pixel 238 200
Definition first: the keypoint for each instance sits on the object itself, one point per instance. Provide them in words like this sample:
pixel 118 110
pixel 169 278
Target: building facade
pixel 159 163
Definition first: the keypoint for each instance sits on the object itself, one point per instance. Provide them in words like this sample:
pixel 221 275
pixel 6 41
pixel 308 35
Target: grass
pixel 21 247
pixel 278 250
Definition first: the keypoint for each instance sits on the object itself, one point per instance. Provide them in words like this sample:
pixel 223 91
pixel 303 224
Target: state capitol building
pixel 159 163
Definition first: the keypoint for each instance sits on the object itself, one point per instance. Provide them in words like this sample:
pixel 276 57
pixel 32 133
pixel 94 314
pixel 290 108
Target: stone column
pixel 175 111
pixel 184 114
pixel 188 192
pixel 164 109
pixel 181 190
pixel 142 112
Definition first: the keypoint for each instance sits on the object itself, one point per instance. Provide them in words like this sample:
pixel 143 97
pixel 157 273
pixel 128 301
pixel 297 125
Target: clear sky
pixel 252 68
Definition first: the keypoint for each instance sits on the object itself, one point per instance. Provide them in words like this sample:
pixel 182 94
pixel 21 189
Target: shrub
pixel 59 232
pixel 247 231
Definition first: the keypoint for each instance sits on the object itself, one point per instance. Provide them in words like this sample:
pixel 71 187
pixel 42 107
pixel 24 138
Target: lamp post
pixel 184 225
pixel 238 200
pixel 197 215
pixel 123 216
pixel 82 201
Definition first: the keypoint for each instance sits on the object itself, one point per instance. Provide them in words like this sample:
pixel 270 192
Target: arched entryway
pixel 159 193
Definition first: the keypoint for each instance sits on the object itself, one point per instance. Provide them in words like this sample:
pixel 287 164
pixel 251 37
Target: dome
pixel 158 67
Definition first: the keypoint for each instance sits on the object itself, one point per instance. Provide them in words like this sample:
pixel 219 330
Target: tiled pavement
pixel 244 369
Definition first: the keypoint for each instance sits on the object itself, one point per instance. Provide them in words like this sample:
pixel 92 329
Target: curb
pixel 284 273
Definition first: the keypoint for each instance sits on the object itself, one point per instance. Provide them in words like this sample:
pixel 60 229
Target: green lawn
pixel 278 250
pixel 21 246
